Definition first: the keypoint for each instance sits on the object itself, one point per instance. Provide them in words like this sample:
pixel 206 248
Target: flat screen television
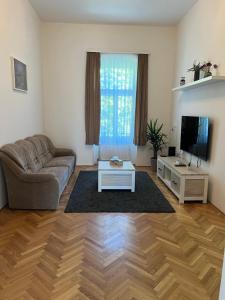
pixel 195 136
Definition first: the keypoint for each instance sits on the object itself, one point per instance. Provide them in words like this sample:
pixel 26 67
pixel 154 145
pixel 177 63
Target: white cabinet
pixel 187 183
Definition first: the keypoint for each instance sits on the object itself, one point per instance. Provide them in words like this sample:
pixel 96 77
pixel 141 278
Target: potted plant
pixel 157 138
pixel 196 69
pixel 207 68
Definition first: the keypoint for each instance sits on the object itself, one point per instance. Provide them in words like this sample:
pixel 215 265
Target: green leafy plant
pixel 196 67
pixel 155 136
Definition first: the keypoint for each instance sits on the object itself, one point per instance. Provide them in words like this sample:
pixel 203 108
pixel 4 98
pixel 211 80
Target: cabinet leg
pixel 181 200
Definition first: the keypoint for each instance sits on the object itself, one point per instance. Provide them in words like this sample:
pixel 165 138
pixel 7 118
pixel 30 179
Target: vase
pixel 202 74
pixel 196 75
pixel 207 74
pixel 214 72
pixel 154 164
pixel 182 81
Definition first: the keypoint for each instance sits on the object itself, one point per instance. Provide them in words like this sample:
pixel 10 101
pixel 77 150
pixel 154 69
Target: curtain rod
pixel 119 52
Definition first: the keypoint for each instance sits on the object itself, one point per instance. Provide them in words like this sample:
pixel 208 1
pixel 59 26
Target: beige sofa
pixel 36 172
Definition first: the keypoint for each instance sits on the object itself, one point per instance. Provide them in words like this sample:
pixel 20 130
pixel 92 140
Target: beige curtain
pixel 92 98
pixel 141 113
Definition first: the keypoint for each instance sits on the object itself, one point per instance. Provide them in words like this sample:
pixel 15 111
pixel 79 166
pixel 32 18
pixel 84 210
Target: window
pixel 118 79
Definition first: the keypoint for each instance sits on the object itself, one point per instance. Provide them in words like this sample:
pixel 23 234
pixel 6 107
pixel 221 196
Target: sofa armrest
pixel 64 152
pixel 38 178
pixel 29 190
pixel 22 175
pixel 32 191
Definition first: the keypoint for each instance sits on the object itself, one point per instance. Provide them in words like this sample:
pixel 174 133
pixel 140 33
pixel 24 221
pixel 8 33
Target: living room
pixel 167 248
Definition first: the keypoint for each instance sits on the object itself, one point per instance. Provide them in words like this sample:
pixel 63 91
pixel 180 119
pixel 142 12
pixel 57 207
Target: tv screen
pixel 195 136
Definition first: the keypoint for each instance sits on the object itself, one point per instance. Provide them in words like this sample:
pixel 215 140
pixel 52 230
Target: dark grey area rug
pixel 147 198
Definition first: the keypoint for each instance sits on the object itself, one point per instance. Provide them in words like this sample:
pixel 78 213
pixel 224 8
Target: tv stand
pixel 186 183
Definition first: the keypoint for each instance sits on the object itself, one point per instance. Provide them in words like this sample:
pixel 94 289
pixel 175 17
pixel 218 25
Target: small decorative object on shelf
pixel 116 162
pixel 215 68
pixel 182 81
pixel 196 69
pixel 206 68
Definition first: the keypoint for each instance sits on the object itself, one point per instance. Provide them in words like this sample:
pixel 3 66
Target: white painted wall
pixel 20 113
pixel 64 58
pixel 201 36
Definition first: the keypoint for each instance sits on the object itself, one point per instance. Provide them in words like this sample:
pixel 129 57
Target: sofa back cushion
pixel 42 148
pixel 17 154
pixel 31 154
pixel 47 143
pixel 32 159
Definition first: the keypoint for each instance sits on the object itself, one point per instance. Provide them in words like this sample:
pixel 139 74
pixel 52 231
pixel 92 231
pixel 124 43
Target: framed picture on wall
pixel 19 71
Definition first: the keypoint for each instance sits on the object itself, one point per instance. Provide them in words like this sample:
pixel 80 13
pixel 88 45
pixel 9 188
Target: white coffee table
pixel 116 178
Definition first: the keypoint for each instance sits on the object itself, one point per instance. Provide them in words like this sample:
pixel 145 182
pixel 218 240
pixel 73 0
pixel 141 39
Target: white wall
pixel 64 58
pixel 20 113
pixel 201 36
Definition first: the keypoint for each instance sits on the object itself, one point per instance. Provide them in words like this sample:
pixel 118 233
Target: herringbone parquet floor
pixel 52 255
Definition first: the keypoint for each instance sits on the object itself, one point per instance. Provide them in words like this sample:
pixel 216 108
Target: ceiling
pixel 143 12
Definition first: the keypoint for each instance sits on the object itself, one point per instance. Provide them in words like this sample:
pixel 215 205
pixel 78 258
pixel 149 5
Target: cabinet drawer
pixel 175 182
pixel 160 169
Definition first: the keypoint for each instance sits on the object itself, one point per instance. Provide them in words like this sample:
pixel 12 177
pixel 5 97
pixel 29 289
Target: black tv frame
pixel 206 157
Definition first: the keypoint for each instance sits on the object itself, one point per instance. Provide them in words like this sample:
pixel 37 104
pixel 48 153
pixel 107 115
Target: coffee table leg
pixel 133 182
pixel 99 182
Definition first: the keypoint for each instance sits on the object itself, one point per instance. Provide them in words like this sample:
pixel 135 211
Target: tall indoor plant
pixel 157 138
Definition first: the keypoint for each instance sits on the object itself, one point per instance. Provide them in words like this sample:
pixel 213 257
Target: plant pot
pixel 196 75
pixel 154 164
pixel 202 74
pixel 208 74
pixel 214 72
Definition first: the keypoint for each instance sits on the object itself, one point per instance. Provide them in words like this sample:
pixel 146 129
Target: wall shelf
pixel 201 82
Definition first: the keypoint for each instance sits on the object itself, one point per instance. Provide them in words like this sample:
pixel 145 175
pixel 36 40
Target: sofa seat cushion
pixel 61 173
pixel 67 161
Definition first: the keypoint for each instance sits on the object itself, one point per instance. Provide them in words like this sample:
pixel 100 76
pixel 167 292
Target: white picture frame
pixel 19 75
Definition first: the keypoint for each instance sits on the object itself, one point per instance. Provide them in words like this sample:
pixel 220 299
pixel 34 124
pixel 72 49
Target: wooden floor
pixel 52 255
